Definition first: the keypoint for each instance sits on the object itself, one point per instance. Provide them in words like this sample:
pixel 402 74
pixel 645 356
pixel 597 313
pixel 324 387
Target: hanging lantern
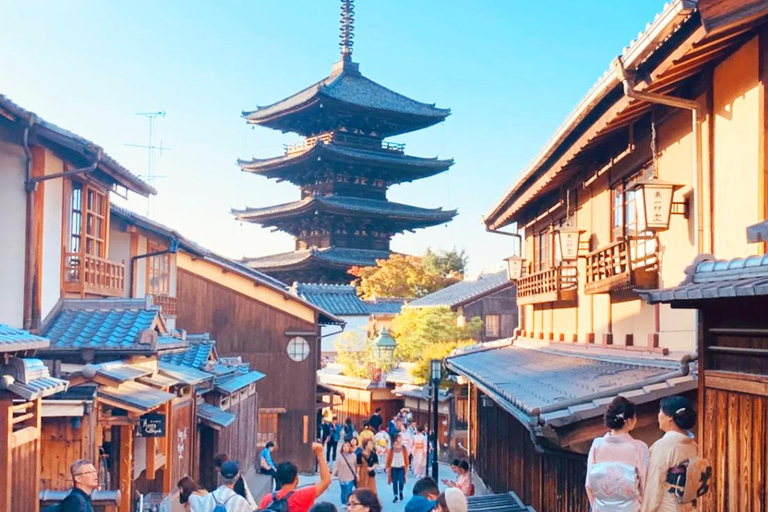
pixel 654 203
pixel 384 346
pixel 568 240
pixel 514 267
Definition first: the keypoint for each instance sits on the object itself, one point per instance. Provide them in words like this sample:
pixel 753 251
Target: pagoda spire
pixel 347 30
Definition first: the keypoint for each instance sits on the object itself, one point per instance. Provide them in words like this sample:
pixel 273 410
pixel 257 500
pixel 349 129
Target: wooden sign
pixel 151 425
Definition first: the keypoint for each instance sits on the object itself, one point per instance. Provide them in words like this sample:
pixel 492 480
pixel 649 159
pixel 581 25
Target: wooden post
pixel 170 436
pixel 6 429
pixel 126 468
pixel 37 420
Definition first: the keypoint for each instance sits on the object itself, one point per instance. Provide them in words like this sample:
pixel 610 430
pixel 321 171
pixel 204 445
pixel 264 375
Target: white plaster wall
pixel 12 238
pixel 120 250
pixel 53 197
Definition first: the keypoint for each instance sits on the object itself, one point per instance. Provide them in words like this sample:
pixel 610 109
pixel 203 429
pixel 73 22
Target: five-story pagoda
pixel 343 167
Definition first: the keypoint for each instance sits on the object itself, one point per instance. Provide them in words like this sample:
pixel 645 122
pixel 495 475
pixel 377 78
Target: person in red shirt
pixel 300 500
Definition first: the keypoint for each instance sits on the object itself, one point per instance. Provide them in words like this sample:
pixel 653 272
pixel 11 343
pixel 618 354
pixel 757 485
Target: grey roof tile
pixel 198 354
pixel 332 255
pixel 17 340
pixel 464 291
pixel 215 416
pixel 185 374
pixel 134 395
pixel 230 385
pixel 343 300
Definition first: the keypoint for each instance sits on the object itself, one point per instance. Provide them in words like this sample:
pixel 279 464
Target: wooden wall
pixel 506 459
pixel 359 404
pixel 62 444
pixel 504 304
pixel 245 327
pixel 239 439
pixel 181 438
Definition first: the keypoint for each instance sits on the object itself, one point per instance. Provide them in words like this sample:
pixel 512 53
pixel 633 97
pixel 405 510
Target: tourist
pixel 464 480
pixel 332 441
pixel 397 467
pixel 394 427
pixel 407 440
pixel 85 480
pixel 419 453
pixel 299 500
pixel 241 486
pixel 425 494
pixel 366 434
pixel 375 422
pixel 191 495
pixel 349 430
pixel 267 465
pixel 617 457
pixel 383 443
pixel 323 506
pixel 345 469
pixel 367 467
pixel 452 500
pixel 225 494
pixel 455 468
pixel 363 500
pixel 676 418
pixel 355 447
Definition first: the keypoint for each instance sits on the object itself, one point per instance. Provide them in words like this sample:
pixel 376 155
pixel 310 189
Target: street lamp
pixel 384 346
pixel 514 267
pixel 654 203
pixel 568 240
pixel 436 372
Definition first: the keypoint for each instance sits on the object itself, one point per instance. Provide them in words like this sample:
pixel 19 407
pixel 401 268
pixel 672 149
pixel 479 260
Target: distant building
pixel 491 297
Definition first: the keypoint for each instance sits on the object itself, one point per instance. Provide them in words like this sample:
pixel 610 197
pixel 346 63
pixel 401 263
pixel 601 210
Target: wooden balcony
pixel 621 265
pixel 90 275
pixel 168 303
pixel 346 139
pixel 553 285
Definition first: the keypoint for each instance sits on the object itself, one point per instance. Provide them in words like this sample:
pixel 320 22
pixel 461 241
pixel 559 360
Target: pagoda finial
pixel 347 31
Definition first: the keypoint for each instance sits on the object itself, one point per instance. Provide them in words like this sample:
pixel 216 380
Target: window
pixel 96 211
pixel 543 250
pixel 268 428
pixel 492 326
pixel 86 229
pixel 624 219
pixel 158 272
pixel 298 349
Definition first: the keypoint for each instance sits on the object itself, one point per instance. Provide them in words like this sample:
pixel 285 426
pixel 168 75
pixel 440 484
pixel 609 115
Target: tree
pixel 415 329
pixel 421 373
pixel 410 277
pixel 355 352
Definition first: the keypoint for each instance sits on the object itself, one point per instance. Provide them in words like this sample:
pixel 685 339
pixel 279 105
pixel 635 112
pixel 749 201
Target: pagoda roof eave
pixel 344 205
pixel 332 257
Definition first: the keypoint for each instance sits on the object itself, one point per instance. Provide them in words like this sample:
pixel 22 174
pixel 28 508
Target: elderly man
pixel 85 479
pixel 225 495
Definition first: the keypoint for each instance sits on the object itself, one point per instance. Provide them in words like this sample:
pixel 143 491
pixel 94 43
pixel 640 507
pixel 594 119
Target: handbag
pixel 371 471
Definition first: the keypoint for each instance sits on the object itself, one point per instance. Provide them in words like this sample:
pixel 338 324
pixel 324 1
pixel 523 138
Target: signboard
pixel 151 425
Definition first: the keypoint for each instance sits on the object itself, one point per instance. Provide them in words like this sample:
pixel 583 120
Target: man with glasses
pixel 86 480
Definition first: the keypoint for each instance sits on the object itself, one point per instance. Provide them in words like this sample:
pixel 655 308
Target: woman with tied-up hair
pixel 617 464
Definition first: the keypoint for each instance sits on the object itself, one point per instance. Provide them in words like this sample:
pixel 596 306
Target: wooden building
pixel 24 381
pixel 343 168
pixel 731 297
pixel 683 104
pixel 490 297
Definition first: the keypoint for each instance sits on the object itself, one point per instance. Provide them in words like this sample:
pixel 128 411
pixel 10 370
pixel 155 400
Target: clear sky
pixel 510 70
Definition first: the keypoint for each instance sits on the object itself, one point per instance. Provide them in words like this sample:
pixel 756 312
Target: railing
pixel 552 285
pixel 621 265
pixel 168 303
pixel 84 273
pixel 345 139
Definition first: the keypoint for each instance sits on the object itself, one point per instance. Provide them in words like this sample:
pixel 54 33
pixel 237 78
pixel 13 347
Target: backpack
pixel 221 507
pixel 690 480
pixel 278 505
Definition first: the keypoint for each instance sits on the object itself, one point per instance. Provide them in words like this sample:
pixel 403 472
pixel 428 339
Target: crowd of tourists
pixel 623 474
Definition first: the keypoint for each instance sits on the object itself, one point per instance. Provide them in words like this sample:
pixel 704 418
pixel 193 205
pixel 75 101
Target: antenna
pixel 150 177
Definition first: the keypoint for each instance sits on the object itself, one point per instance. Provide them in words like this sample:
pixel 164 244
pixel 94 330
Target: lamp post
pixel 436 372
pixel 384 346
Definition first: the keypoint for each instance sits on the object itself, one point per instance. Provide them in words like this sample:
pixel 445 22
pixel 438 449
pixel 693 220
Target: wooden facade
pixel 498 311
pixel 20 455
pixel 359 404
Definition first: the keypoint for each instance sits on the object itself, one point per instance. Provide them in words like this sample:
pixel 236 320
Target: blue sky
pixel 510 71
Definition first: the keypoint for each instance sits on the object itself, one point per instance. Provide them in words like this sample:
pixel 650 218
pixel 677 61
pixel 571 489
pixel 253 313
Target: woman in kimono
pixel 676 418
pixel 419 452
pixel 617 463
pixel 382 443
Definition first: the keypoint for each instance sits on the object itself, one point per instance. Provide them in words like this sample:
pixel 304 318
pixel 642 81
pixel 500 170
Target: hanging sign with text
pixel 151 425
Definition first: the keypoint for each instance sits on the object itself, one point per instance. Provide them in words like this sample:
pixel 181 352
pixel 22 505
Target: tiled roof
pixel 351 89
pixel 184 374
pixel 343 300
pixel 215 417
pixel 708 278
pixel 419 392
pixel 105 325
pixel 200 350
pixel 464 291
pixel 229 385
pixel 29 379
pixel 346 205
pixel 332 255
pixel 134 396
pixel 559 387
pixel 117 371
pixel 402 373
pixel 17 340
pixel 54 132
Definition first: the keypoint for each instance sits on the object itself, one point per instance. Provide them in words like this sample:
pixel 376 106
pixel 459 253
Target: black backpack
pixel 279 505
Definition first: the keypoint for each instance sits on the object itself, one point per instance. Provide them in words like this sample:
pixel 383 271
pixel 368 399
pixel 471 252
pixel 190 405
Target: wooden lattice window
pixel 268 428
pixel 543 250
pixel 492 326
pixel 158 272
pixel 96 209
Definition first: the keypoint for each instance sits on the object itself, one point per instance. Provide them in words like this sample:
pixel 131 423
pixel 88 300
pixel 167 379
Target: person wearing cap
pixel 299 500
pixel 225 494
pixel 452 500
pixel 425 493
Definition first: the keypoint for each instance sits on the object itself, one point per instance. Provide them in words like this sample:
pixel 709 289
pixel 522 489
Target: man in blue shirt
pixel 267 465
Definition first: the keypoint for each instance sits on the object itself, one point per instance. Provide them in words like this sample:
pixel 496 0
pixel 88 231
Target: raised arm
pixel 325 473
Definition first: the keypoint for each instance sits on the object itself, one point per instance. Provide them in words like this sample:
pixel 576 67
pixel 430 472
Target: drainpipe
pixel 697 111
pixel 174 248
pixel 29 229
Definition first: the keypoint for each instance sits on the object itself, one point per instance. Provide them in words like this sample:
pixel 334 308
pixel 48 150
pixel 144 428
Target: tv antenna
pixel 150 177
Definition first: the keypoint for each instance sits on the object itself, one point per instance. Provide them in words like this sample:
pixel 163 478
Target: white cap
pixel 455 500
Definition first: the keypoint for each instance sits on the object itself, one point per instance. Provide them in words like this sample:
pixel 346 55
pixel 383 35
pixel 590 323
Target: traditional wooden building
pixel 490 297
pixel 663 156
pixel 343 168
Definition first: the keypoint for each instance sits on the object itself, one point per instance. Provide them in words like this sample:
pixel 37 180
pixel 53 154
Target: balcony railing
pixel 345 139
pixel 91 275
pixel 622 265
pixel 553 285
pixel 168 303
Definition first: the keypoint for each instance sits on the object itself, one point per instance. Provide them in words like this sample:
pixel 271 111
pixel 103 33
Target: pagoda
pixel 343 167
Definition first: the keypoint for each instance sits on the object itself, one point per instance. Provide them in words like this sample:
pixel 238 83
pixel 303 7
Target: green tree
pixel 421 372
pixel 445 263
pixel 355 352
pixel 415 329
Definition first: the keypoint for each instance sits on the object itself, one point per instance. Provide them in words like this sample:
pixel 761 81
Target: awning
pixel 214 417
pixel 506 502
pixel 134 397
pixel 114 372
pixel 233 384
pixel 159 380
pixel 184 374
pixel 539 385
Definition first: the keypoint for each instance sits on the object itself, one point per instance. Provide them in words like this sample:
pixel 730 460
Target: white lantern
pixel 568 239
pixel 514 267
pixel 654 203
